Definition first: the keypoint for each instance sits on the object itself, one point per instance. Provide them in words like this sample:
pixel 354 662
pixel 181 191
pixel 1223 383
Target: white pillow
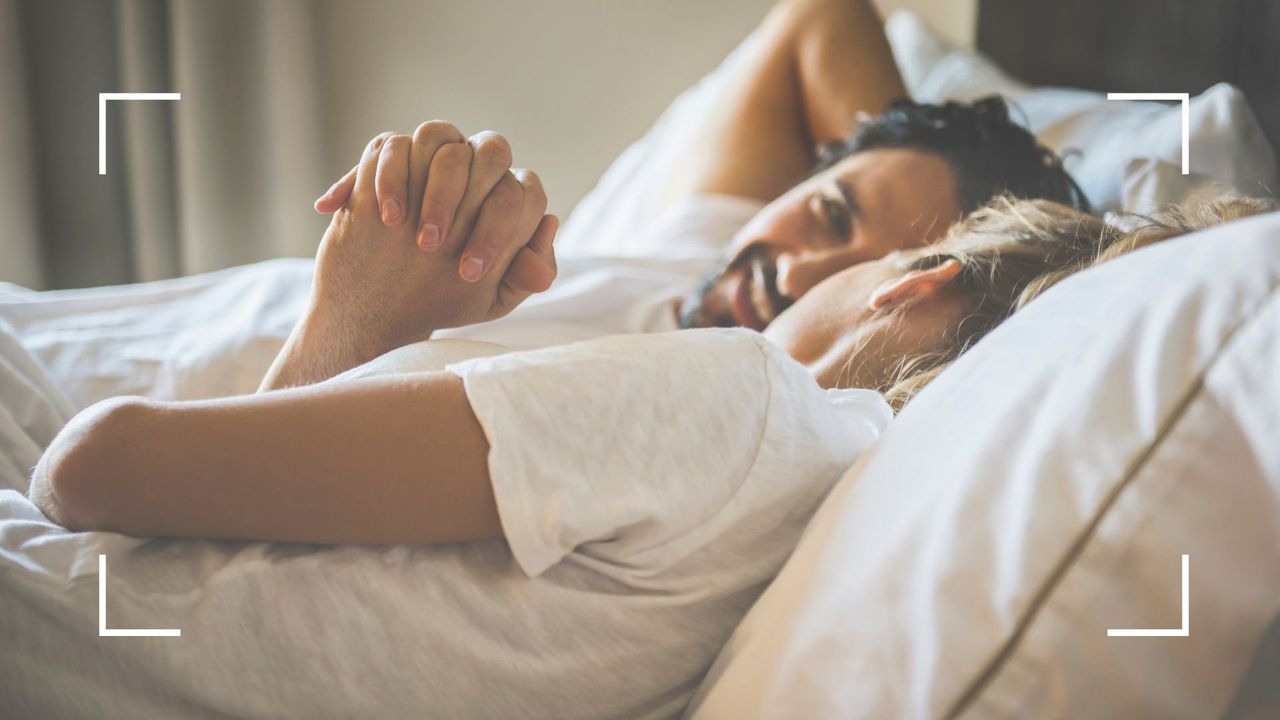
pixel 1041 492
pixel 1227 144
pixel 1150 184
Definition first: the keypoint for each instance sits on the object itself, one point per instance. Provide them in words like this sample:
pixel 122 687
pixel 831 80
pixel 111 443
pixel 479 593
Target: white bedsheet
pixel 32 410
pixel 195 337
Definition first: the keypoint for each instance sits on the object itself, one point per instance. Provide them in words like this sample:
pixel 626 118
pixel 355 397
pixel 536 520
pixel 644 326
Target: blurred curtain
pixel 224 176
pixel 19 249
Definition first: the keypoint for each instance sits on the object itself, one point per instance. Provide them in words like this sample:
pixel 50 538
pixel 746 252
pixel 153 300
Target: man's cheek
pixel 716 304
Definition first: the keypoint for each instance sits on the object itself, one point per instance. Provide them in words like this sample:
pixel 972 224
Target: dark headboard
pixel 1141 46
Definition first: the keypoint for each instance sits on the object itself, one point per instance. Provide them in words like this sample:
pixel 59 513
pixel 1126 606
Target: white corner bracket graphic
pixel 102 118
pixel 1185 98
pixel 1183 631
pixel 103 630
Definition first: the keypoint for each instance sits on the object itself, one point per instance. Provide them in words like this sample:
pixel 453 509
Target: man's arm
pixel 817 65
pixel 380 460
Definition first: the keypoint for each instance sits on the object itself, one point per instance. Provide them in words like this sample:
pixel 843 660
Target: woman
pixel 604 512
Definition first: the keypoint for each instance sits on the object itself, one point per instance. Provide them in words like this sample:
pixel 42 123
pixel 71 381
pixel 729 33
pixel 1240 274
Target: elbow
pixel 77 481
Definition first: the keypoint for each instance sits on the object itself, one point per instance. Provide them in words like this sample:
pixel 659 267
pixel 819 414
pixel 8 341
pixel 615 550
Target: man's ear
pixel 915 285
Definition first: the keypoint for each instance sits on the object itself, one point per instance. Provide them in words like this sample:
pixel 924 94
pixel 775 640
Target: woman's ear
pixel 915 285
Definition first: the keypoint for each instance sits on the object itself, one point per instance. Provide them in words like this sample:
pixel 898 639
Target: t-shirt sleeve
pixel 630 440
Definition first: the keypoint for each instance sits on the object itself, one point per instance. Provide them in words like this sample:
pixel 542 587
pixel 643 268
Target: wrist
pixel 321 346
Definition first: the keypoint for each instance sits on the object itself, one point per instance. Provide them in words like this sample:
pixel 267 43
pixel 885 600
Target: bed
pixel 977 579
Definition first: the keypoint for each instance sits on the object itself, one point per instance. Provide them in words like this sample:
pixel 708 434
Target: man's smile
pixel 754 299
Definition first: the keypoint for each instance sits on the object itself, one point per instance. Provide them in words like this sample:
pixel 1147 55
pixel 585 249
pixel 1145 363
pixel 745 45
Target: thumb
pixel 337 195
pixel 534 268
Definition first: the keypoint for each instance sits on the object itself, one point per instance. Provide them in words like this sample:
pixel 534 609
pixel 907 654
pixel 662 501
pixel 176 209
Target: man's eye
pixel 837 217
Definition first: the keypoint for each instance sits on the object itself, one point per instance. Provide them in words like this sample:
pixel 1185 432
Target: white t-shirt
pixel 649 486
pixel 216 334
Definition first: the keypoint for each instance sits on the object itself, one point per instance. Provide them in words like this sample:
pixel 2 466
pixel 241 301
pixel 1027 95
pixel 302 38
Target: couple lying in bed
pixel 636 492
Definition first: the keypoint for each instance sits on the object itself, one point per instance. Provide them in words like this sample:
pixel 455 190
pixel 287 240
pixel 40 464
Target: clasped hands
pixel 439 226
pixel 429 231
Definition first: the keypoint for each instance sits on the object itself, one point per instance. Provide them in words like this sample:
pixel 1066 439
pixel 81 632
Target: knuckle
pixel 492 149
pixel 376 143
pixel 507 195
pixel 532 185
pixel 437 131
pixel 527 177
pixel 454 156
pixel 394 152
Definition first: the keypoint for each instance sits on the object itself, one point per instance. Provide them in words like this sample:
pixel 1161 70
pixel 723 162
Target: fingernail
pixel 428 236
pixel 472 268
pixel 390 211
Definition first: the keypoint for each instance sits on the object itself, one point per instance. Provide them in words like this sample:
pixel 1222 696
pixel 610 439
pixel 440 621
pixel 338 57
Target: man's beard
pixel 693 310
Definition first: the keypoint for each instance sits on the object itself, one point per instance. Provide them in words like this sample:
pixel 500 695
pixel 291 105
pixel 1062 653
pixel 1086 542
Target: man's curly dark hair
pixel 989 154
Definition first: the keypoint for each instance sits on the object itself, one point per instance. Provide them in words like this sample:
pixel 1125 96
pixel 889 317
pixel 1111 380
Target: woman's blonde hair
pixel 1011 251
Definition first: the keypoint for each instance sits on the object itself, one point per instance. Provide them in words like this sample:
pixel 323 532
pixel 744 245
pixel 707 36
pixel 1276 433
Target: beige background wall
pixel 957 19
pixel 279 97
pixel 570 82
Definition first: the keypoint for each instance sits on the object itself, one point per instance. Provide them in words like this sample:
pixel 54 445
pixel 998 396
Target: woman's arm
pixel 817 65
pixel 379 460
